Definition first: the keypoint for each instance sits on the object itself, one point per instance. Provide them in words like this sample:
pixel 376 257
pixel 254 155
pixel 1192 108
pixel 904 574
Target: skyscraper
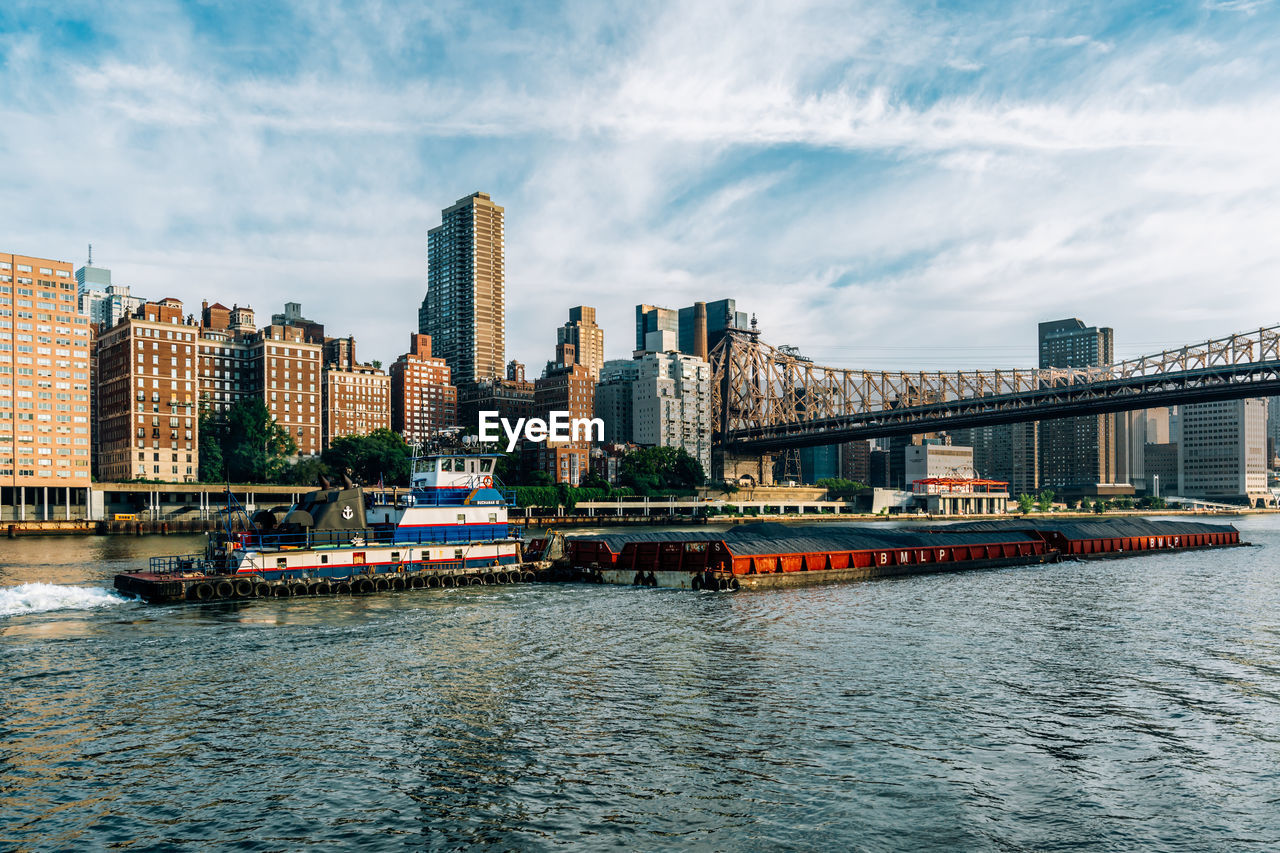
pixel 586 338
pixel 463 310
pixel 101 301
pixel 651 319
pixel 1077 451
pixel 716 319
pixel 1222 453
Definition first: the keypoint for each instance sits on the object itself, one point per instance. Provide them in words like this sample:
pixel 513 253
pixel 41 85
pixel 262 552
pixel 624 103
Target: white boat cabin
pixel 455 471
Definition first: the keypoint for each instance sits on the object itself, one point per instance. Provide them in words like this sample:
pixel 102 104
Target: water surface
pixel 1127 704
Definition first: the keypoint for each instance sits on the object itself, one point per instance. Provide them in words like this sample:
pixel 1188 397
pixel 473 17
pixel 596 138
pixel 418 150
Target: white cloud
pixel 741 150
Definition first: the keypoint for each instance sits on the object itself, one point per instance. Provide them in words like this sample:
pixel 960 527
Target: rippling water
pixel 1130 704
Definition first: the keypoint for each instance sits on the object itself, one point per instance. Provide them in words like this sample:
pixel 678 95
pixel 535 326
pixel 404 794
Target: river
pixel 1124 704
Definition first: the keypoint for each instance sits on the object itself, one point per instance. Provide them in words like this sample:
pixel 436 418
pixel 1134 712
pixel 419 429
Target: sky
pixel 884 185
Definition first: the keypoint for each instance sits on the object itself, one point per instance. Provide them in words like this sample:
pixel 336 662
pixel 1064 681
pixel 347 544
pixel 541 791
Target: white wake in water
pixel 42 597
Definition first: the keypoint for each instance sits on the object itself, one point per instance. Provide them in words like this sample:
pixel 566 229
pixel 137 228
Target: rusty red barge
pixel 757 556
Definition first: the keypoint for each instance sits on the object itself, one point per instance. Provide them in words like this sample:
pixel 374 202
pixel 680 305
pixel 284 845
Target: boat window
pixel 446 464
pixel 486 465
pixel 493 518
pixel 324 558
pixel 282 563
pixel 471 466
pixel 462 518
pixel 395 556
pixel 457 553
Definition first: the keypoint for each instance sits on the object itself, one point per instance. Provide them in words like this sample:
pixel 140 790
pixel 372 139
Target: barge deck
pixel 767 555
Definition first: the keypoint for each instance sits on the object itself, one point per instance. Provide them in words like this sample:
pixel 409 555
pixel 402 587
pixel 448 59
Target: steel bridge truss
pixel 765 399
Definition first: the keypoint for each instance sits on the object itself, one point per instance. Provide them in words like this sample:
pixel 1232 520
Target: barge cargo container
pixel 756 556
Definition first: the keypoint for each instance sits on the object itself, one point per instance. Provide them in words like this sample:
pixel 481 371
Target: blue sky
pixel 883 184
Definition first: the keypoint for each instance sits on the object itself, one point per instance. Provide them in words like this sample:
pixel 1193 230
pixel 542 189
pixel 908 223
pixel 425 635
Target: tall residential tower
pixel 44 390
pixel 1077 451
pixel 464 309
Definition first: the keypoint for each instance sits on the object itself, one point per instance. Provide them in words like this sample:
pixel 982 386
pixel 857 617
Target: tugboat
pixel 449 529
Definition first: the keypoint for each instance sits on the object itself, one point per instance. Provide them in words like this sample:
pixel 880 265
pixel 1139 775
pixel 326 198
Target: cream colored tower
pixel 464 309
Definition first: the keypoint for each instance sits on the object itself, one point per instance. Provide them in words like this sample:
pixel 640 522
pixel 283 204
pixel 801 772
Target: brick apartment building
pixel 147 391
pixel 567 387
pixel 423 399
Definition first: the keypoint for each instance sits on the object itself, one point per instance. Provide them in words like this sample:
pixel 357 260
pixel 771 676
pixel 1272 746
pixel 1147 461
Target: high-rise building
pixel 225 363
pixel 651 318
pixel 1004 452
pixel 819 463
pixel 1077 451
pixel 147 394
pixel 613 399
pixel 464 308
pixel 855 461
pixel 566 388
pixel 1160 464
pixel 587 339
pixel 878 466
pixel 283 365
pixel 423 399
pixel 1222 450
pixel 687 326
pixel 511 397
pixel 1023 443
pixel 44 390
pixel 1273 428
pixel 225 368
pixel 721 316
pixel 671 404
pixel 356 400
pixel 287 374
pixel 101 301
pixel 658 399
pixel 1136 431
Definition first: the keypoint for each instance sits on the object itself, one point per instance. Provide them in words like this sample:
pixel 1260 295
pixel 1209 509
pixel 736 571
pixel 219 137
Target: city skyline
pixel 830 168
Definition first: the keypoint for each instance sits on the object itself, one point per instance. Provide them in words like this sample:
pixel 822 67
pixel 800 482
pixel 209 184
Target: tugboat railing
pixel 438 497
pixel 445 535
pixel 174 564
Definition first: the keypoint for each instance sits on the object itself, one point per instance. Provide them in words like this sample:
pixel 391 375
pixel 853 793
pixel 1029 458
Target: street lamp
pixel 1155 485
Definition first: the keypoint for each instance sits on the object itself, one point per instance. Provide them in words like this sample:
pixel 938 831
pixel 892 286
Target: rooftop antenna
pixel 90 256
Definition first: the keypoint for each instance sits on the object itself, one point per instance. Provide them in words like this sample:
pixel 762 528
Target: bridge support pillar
pixel 730 467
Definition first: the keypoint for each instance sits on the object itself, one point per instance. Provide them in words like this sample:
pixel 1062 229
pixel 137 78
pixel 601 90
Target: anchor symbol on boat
pixel 347 513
